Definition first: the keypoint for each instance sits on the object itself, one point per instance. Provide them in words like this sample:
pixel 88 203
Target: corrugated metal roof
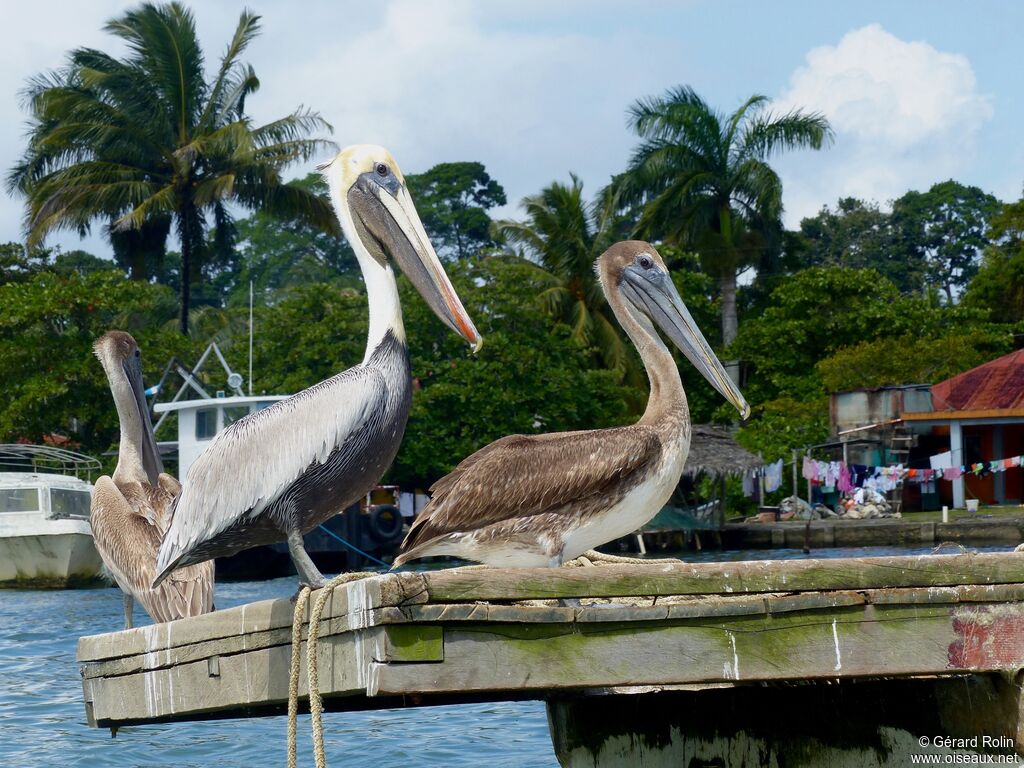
pixel 998 384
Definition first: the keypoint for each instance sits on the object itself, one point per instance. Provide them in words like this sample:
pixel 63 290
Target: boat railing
pixel 17 457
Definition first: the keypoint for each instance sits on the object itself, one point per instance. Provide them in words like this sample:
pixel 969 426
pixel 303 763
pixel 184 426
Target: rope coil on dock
pixel 313 681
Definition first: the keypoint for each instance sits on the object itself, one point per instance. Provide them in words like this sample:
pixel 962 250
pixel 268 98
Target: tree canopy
pixel 148 145
pixel 945 229
pixel 453 200
pixel 564 235
pixel 703 180
pixel 144 141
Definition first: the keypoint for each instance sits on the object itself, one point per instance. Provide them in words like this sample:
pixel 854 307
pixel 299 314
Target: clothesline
pixel 835 475
pixel 772 474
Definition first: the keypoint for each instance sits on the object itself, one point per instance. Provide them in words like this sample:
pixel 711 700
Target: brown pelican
pixel 538 500
pixel 131 510
pixel 278 473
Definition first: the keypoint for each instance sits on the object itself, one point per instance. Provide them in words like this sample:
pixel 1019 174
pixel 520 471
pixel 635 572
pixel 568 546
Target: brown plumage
pixel 132 509
pixel 532 500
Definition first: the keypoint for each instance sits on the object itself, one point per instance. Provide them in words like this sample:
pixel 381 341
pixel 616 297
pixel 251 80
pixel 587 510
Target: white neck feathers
pixel 381 288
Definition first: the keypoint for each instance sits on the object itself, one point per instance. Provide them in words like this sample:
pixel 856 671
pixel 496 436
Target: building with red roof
pixel 981 414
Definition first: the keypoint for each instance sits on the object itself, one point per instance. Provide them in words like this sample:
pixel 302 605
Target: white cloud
pixel 906 115
pixel 444 81
pixel 510 83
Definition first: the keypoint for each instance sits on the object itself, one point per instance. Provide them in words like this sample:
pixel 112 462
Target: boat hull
pixel 61 554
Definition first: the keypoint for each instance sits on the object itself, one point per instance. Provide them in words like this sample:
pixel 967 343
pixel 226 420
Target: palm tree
pixel 564 235
pixel 144 142
pixel 704 182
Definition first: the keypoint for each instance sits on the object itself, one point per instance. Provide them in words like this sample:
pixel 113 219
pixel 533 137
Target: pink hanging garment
pixel 844 485
pixel 810 468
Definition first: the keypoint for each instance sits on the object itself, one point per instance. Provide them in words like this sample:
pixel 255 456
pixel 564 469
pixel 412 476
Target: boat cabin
pixel 55 496
pixel 200 420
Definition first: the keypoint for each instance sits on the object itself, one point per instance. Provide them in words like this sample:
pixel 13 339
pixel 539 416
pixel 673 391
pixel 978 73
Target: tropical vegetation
pixel 862 294
pixel 145 143
pixel 702 181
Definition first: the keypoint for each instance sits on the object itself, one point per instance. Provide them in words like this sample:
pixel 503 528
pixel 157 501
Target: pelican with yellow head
pixel 278 473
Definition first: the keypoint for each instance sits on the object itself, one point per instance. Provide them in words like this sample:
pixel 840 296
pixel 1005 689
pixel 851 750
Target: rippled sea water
pixel 42 720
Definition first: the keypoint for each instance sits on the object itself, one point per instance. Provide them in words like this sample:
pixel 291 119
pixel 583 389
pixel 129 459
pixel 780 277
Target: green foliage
pixel 857 234
pixel 830 329
pixel 279 254
pixel 143 141
pixel 821 310
pixel 998 288
pixel 51 382
pixel 704 182
pixel 564 236
pixel 314 332
pixel 911 359
pixel 18 265
pixel 452 200
pixel 529 376
pixel 944 228
pixel 785 423
pixel 816 312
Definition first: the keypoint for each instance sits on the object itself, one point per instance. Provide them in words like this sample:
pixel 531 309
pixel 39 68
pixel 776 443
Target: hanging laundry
pixel 773 476
pixel 748 483
pixel 844 485
pixel 941 460
pixel 952 473
pixel 810 469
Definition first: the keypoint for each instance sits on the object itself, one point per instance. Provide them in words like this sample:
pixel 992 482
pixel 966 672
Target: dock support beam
pixel 864 724
pixel 956 447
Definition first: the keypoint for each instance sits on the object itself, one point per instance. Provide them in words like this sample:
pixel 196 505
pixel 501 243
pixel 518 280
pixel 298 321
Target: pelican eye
pixel 138 353
pixel 382 170
pixel 645 261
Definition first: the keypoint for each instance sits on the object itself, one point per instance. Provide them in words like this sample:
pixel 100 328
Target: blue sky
pixel 918 91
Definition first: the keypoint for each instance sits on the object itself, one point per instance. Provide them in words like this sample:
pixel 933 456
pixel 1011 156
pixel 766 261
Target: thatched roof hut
pixel 714 452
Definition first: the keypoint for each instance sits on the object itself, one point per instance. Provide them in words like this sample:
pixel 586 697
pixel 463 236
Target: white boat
pixel 45 537
pixel 199 421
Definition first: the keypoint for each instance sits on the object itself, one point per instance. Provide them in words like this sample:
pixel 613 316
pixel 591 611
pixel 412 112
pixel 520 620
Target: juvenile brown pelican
pixel 131 510
pixel 538 500
pixel 278 473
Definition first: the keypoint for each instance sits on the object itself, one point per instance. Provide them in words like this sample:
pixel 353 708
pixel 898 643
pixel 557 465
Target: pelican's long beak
pixel 655 292
pixel 151 461
pixel 411 248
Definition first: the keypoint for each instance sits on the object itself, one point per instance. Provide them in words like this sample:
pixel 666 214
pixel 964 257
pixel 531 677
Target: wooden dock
pixel 709 657
pixel 888 532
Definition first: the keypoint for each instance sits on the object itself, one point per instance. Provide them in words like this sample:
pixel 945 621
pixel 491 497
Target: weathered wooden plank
pixel 654 609
pixel 412 643
pixel 723 578
pixel 846 642
pixel 251 679
pixel 349 601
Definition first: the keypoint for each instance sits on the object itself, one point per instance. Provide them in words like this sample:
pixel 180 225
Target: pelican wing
pixel 522 475
pixel 127 524
pixel 252 462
